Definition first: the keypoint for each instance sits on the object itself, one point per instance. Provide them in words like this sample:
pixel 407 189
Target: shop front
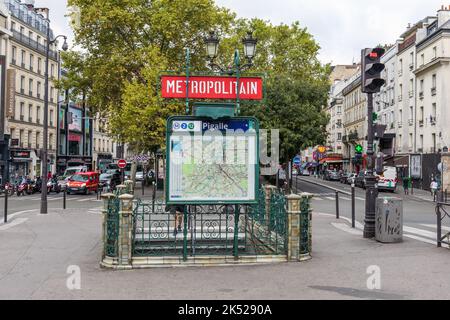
pixel 103 160
pixel 333 162
pixel 21 164
pixel 64 162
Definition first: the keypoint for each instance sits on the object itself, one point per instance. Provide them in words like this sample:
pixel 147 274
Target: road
pixel 419 218
pixel 24 204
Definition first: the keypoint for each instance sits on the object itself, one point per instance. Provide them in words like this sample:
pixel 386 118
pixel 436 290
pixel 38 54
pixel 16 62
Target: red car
pixel 83 182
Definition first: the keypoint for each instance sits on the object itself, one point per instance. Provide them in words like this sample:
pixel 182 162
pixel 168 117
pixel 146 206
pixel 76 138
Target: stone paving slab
pixel 36 255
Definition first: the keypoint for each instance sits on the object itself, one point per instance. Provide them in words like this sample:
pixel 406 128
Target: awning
pixel 331 160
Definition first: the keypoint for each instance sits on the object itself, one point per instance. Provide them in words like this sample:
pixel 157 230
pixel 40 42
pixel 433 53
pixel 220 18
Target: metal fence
pixel 236 230
pixel 443 216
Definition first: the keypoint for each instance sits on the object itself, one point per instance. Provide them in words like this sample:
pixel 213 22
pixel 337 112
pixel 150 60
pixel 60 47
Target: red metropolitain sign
pixel 208 87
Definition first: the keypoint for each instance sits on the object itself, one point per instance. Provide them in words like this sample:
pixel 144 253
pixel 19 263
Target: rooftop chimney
pixel 30 4
pixel 443 15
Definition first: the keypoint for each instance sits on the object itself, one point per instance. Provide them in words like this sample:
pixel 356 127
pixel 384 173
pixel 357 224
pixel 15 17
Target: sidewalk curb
pixel 325 186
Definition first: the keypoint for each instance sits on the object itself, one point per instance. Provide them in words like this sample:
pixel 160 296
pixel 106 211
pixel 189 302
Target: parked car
pixel 388 179
pixel 306 172
pixel 110 179
pixel 332 175
pixel 84 182
pixel 360 179
pixel 344 177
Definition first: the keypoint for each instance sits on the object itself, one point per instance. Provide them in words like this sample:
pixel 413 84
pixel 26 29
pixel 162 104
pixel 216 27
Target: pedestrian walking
pixel 434 188
pixel 178 212
pixel 406 184
pixel 281 177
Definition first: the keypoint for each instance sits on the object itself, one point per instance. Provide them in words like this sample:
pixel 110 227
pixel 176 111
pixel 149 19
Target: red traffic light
pixel 373 55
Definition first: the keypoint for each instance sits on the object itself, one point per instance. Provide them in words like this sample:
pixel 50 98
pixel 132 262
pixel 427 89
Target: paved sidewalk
pixel 36 254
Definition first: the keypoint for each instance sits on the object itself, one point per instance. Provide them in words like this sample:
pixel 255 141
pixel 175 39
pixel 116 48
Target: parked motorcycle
pixel 53 186
pixel 21 189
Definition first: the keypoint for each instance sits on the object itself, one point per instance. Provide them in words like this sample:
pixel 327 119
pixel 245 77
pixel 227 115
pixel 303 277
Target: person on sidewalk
pixel 178 212
pixel 282 177
pixel 434 188
pixel 406 184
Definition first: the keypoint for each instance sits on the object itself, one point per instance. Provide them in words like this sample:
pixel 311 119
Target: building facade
pixel 355 123
pixel 24 48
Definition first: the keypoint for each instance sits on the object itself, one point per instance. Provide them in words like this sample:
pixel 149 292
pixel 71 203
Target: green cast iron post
pixel 237 63
pixel 188 63
pixel 236 231
pixel 185 234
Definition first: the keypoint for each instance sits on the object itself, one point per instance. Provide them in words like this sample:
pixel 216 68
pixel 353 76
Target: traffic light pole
pixel 371 191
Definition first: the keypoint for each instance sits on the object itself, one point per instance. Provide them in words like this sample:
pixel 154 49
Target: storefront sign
pixel 10 92
pixel 212 87
pixel 74 137
pixel 77 120
pixel 20 154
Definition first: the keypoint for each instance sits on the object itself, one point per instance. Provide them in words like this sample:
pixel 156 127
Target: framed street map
pixel 212 161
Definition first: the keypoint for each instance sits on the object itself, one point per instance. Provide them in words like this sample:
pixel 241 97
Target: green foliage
pixel 127 43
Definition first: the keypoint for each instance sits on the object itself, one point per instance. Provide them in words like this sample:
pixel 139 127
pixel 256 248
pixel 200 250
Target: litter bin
pixel 389 220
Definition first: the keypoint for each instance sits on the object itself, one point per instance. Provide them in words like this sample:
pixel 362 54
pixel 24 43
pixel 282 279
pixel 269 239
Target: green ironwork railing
pixel 112 227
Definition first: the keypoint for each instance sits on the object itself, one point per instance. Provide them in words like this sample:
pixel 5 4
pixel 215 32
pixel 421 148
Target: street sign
pixel 322 149
pixel 297 160
pixel 212 161
pixel 212 87
pixel 122 164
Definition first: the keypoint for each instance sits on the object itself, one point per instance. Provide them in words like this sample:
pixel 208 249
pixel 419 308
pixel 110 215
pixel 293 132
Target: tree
pixel 128 43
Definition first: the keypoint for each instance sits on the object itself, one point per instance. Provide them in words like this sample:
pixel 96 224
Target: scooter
pixel 53 186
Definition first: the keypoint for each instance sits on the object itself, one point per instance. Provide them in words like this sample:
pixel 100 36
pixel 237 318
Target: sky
pixel 341 27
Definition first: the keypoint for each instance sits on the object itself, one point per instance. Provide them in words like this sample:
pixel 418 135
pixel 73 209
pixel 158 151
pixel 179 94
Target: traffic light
pixel 371 69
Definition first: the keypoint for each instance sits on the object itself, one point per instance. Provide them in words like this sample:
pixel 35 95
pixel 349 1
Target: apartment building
pixel 334 109
pixel 25 48
pixel 355 122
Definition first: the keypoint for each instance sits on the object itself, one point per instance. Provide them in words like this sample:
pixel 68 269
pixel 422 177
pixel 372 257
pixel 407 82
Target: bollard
pixel 353 207
pixel 446 196
pixel 143 186
pixel 153 196
pixel 337 204
pixel 439 226
pixel 64 197
pixel 6 206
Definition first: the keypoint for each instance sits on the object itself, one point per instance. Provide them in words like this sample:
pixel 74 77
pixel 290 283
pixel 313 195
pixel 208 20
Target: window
pixel 30 138
pixel 23 59
pixel 400 141
pixel 22 111
pixel 339 136
pixel 433 82
pixel 38 115
pixel 31 62
pixel 31 87
pixel 30 113
pixel 30 34
pixel 22 30
pixel 95 144
pixel 410 140
pixel 433 110
pixel 39 65
pixel 13 26
pixel 38 140
pixel 400 114
pixel 21 138
pixel 433 141
pixel 411 60
pixel 421 89
pixel 13 55
pixel 421 142
pixel 52 94
pixel 400 71
pixel 22 84
pixel 411 114
pixel 51 118
pixel 38 39
pixel 38 91
pixel 421 115
pixel 339 110
pixel 50 141
pixel 52 70
pixel 422 59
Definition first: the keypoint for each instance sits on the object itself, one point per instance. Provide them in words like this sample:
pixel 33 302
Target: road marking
pixel 317 198
pixel 360 199
pixel 13 223
pixel 345 199
pixel 420 232
pixel 330 198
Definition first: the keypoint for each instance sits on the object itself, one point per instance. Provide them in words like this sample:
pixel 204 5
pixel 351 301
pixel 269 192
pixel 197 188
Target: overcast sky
pixel 342 27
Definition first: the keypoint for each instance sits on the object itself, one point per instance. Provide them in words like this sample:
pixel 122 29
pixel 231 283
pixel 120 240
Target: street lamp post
pixel 212 46
pixel 44 209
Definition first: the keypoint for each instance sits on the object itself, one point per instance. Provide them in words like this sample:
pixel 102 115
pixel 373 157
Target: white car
pixel 388 179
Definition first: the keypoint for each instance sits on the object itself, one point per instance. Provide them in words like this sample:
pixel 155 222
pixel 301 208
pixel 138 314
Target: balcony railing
pixel 400 98
pixel 433 91
pixel 411 94
pixel 420 123
pixel 32 44
pixel 421 95
pixel 400 124
pixel 432 120
pixel 410 122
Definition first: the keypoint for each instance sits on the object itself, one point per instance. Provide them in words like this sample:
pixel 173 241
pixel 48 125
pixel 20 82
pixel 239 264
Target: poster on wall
pixel 77 119
pixel 415 166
